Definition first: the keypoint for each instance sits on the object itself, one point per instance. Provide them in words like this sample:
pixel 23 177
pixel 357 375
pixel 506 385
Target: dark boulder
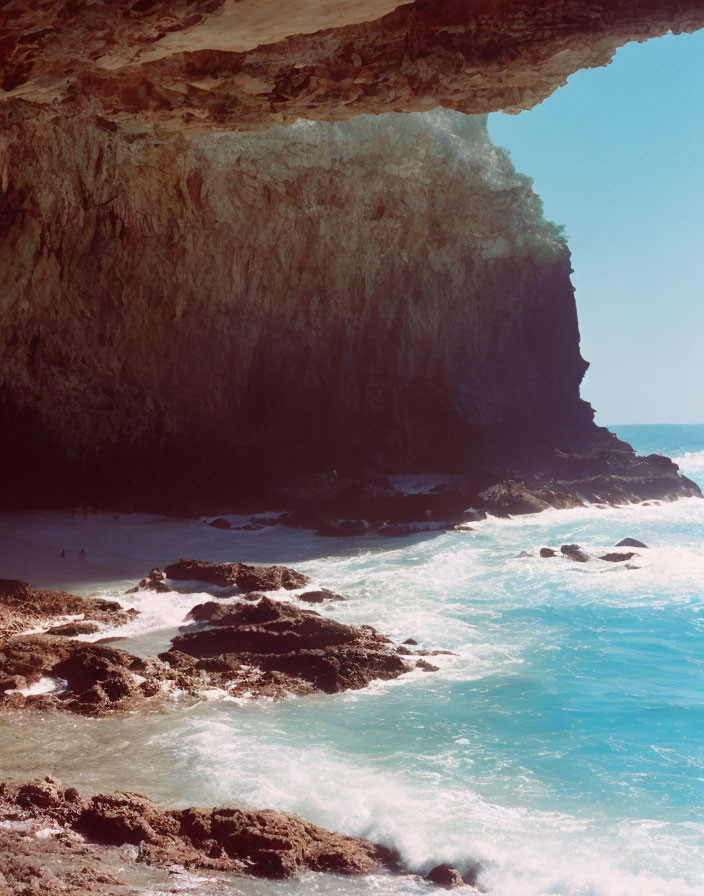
pixel 631 543
pixel 445 876
pixel 220 523
pixel 574 552
pixel 618 558
pixel 511 499
pixel 319 596
pixel 548 552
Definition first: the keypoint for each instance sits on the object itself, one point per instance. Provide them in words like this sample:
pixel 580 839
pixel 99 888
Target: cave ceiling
pixel 174 66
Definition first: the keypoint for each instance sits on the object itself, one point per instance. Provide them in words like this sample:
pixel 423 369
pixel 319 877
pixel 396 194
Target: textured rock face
pixel 187 312
pixel 73 857
pixel 380 293
pixel 277 637
pixel 224 64
pixel 255 648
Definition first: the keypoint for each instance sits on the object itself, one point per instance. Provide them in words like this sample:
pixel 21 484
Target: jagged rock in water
pixel 319 596
pixel 315 652
pixel 615 557
pixel 261 648
pixel 153 582
pixel 240 575
pixel 631 543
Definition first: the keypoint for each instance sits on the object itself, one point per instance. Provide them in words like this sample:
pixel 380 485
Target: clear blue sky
pixel 618 157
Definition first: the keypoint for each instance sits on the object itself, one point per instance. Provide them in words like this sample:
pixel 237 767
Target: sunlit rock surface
pixel 244 64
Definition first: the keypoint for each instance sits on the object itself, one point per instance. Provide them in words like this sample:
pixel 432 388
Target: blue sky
pixel 618 157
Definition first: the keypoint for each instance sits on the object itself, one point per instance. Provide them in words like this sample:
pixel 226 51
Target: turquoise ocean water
pixel 563 747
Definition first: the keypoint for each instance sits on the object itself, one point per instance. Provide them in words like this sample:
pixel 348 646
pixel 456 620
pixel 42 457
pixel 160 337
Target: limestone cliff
pixel 213 313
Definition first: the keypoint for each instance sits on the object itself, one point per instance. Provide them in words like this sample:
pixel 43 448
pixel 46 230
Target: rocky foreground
pixel 54 840
pixel 246 646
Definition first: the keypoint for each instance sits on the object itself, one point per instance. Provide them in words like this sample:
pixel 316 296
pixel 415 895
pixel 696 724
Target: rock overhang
pixel 208 65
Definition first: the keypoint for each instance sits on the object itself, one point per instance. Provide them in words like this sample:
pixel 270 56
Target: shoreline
pixel 270 542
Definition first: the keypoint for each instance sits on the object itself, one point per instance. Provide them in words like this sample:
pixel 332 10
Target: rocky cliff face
pixel 224 64
pixel 190 307
pixel 382 294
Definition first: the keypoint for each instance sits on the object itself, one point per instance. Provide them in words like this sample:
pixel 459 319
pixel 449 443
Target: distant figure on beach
pixel 62 554
pixel 82 555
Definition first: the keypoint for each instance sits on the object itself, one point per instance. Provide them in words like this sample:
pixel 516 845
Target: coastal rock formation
pixel 45 672
pixel 241 575
pixel 245 64
pixel 195 309
pixel 23 608
pixel 74 857
pixel 261 648
pixel 192 322
pixel 316 653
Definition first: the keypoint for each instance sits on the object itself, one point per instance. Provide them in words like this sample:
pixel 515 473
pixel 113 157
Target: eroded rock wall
pixel 378 294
